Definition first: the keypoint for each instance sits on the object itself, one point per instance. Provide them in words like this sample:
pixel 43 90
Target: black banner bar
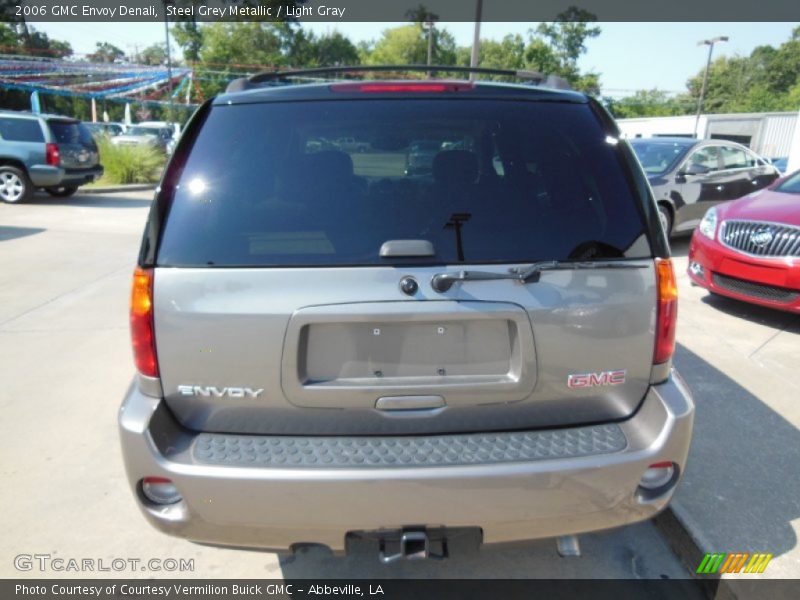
pixel 335 11
pixel 382 589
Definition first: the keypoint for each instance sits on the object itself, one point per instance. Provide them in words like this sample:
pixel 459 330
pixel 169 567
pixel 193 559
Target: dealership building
pixel 769 134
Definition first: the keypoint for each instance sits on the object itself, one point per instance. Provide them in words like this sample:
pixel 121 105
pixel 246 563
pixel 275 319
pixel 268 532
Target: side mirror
pixel 695 169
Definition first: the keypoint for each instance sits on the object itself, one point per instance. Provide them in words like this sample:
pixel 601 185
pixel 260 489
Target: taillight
pixel 142 331
pixel 393 87
pixel 667 316
pixel 51 155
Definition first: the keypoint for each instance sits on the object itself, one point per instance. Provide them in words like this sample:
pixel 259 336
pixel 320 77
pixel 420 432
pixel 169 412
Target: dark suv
pixel 328 348
pixel 44 151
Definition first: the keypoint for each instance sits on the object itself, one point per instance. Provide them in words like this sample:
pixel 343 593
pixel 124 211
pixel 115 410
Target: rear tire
pixel 665 216
pixel 15 186
pixel 62 191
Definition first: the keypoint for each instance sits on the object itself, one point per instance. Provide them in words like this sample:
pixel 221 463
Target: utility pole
pixel 710 43
pixel 476 38
pixel 169 64
pixel 429 25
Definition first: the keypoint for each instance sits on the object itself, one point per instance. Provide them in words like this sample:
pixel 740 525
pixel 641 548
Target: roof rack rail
pixel 267 77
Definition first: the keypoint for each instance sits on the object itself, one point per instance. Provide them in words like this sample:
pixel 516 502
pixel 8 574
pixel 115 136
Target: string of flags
pixel 107 81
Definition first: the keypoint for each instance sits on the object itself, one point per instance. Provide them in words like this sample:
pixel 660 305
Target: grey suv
pixel 328 348
pixel 44 151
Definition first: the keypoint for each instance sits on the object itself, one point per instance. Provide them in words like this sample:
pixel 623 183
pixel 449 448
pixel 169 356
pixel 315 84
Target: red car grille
pixel 761 238
pixel 755 290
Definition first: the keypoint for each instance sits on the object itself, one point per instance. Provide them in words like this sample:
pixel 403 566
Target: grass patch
pixel 129 164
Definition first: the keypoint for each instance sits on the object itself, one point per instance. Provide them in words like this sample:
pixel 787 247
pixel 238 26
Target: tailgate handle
pixel 409 402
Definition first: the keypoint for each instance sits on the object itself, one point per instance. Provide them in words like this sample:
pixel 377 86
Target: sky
pixel 628 56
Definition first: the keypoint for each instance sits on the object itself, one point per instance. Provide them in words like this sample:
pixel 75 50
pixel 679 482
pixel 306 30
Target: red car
pixel 749 249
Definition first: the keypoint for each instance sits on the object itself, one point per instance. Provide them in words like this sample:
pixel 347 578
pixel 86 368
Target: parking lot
pixel 65 364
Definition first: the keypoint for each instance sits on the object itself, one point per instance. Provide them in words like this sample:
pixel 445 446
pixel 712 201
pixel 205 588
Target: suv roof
pixel 328 89
pixel 25 113
pixel 319 82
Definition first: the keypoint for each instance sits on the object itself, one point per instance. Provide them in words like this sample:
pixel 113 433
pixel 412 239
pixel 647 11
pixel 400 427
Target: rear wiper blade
pixel 441 282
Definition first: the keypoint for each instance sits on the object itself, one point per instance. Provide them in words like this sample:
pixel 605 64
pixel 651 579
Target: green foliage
pixel 107 53
pixel 552 48
pixel 509 53
pixel 246 42
pixel 648 103
pixel 155 54
pixel 767 80
pixel 408 44
pixel 130 164
pixel 761 82
pixel 21 38
pixel 189 37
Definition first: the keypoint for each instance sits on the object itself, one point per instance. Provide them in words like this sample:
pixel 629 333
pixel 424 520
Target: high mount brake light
pixel 399 88
pixel 142 330
pixel 667 316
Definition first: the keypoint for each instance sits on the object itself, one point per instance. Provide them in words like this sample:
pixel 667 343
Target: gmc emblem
pixel 587 380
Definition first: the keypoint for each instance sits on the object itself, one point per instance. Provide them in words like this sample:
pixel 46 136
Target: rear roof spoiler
pixel 316 75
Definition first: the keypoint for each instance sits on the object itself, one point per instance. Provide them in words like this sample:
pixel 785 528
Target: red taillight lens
pixel 667 317
pixel 142 331
pixel 52 155
pixel 397 88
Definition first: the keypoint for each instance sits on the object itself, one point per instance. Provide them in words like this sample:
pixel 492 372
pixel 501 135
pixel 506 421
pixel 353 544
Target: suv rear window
pixel 327 183
pixel 69 132
pixel 21 130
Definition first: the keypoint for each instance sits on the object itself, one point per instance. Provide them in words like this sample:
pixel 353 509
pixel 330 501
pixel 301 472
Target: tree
pixel 509 53
pixel 764 81
pixel 328 50
pixel 189 36
pixel 555 48
pixel 20 38
pixel 106 53
pixel 247 42
pixel 408 44
pixel 156 54
pixel 646 103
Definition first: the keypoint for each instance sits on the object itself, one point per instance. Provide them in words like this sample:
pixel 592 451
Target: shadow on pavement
pixel 12 233
pixel 741 489
pixel 755 313
pixel 91 200
pixel 634 552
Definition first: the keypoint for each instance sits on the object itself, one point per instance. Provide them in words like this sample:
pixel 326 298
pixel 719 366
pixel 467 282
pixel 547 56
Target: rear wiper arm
pixel 441 282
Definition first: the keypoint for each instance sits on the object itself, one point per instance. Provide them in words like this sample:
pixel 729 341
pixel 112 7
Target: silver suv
pixel 329 348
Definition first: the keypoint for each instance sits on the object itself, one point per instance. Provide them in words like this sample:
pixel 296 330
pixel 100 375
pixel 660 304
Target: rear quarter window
pixel 67 132
pixel 326 183
pixel 21 130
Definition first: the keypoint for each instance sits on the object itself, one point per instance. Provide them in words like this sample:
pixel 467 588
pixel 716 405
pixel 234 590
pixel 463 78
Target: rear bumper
pixel 48 176
pixel 82 176
pixel 252 499
pixel 776 281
